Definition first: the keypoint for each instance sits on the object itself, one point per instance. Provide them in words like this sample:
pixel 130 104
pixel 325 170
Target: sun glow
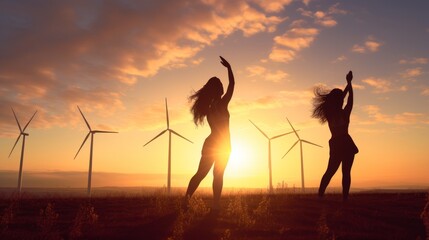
pixel 240 158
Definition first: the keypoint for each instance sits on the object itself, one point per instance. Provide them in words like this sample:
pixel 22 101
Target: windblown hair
pixel 204 98
pixel 326 103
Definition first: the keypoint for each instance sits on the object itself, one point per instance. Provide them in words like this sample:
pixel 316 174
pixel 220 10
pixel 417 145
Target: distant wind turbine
pixel 269 153
pixel 170 131
pixel 300 146
pixel 24 134
pixel 91 132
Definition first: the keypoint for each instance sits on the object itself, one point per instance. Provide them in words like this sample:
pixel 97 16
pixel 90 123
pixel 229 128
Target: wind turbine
pixel 300 146
pixel 269 153
pixel 170 131
pixel 91 132
pixel 24 134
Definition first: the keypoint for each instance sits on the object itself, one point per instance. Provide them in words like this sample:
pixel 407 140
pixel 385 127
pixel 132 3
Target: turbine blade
pixel 26 125
pixel 166 111
pixel 100 131
pixel 87 124
pixel 19 125
pixel 155 137
pixel 82 145
pixel 281 135
pixel 180 136
pixel 290 148
pixel 15 144
pixel 293 129
pixel 259 129
pixel 311 143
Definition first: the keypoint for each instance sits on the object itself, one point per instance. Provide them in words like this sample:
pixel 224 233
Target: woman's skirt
pixel 342 145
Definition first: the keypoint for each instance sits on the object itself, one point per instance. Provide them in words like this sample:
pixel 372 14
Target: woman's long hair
pixel 204 98
pixel 326 103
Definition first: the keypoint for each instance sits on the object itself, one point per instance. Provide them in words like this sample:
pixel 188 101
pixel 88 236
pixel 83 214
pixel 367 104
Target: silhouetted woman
pixel 208 102
pixel 342 149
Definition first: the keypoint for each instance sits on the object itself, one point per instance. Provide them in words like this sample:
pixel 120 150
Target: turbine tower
pixel 91 132
pixel 23 134
pixel 170 131
pixel 269 153
pixel 300 147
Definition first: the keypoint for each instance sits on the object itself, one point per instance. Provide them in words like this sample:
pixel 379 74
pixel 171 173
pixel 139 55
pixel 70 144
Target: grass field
pixel 371 215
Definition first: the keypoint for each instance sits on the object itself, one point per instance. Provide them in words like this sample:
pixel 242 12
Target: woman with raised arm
pixel 209 103
pixel 328 107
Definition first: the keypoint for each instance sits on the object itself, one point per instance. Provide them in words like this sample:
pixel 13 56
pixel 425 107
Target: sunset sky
pixel 119 60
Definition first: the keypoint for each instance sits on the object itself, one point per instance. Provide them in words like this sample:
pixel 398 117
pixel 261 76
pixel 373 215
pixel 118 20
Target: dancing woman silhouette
pixel 209 102
pixel 342 149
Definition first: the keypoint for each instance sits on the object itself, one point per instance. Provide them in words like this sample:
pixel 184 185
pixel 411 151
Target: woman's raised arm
pixel 230 90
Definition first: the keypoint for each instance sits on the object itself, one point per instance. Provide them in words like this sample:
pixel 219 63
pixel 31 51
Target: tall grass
pixel 85 220
pixel 8 216
pixel 47 223
pixel 238 210
pixel 196 209
pixel 425 217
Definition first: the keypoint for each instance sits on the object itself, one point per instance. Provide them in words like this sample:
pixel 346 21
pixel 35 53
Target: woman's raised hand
pixel 224 62
pixel 349 76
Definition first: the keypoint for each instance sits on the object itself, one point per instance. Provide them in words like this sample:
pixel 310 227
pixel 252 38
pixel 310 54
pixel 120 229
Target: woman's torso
pixel 218 119
pixel 339 124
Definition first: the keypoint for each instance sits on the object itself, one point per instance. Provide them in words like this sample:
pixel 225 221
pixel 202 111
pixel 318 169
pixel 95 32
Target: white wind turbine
pixel 24 134
pixel 170 131
pixel 300 146
pixel 91 132
pixel 269 153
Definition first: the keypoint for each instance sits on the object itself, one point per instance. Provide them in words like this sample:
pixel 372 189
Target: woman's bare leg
pixel 204 167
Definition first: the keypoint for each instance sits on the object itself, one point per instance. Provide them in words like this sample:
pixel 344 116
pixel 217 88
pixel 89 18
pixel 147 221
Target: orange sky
pixel 119 60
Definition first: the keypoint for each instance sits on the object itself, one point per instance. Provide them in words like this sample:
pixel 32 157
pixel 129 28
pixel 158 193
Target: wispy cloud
pixel 340 59
pixel 381 85
pixel 275 101
pixel 404 118
pixel 425 91
pixel 370 45
pixel 412 72
pixel 273 5
pixel 419 60
pixel 298 37
pixel 263 73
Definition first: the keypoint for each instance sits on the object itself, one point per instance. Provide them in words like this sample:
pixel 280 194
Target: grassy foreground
pixel 243 216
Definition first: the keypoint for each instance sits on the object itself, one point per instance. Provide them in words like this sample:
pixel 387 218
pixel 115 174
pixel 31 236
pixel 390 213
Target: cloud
pixel 260 72
pixel 275 101
pixel 412 72
pixel 59 54
pixel 405 118
pixel 425 91
pixel 381 85
pixel 298 37
pixel 340 59
pixel 306 2
pixel 324 18
pixel 273 6
pixel 295 39
pixel 281 55
pixel 420 60
pixel 370 45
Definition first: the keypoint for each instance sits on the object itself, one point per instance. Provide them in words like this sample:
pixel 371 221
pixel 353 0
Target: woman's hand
pixel 349 77
pixel 224 62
